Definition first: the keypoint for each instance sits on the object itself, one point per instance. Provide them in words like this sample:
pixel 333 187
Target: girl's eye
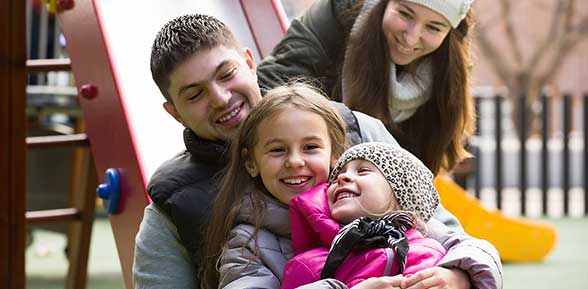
pixel 364 170
pixel 311 146
pixel 276 150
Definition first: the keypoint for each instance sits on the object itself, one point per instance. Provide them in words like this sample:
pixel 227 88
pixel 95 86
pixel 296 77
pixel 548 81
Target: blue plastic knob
pixel 109 191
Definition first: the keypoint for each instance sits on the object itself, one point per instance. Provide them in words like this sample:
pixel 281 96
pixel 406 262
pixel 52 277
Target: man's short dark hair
pixel 181 38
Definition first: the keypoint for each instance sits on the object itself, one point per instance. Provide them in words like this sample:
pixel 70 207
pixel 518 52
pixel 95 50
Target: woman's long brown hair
pixel 438 129
pixel 236 182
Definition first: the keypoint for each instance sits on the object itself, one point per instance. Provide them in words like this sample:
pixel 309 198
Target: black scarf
pixel 387 231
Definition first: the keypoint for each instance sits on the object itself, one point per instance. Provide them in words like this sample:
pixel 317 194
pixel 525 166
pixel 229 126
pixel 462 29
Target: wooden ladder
pixel 13 147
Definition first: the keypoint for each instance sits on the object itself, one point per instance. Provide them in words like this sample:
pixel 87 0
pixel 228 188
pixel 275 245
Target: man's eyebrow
pixel 437 23
pixel 216 70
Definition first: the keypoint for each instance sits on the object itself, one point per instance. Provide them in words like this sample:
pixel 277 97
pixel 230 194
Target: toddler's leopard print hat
pixel 410 179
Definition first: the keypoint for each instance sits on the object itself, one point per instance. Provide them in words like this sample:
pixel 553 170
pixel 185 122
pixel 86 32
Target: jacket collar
pixel 276 217
pixel 205 150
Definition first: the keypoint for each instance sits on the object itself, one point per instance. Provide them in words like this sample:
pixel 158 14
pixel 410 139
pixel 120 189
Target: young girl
pixel 284 147
pixel 383 195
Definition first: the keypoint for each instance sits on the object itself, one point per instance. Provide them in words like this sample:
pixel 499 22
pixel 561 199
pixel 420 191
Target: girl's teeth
pixel 345 195
pixel 295 181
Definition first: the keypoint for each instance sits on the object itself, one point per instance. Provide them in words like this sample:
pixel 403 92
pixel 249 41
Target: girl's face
pixel 292 153
pixel 412 30
pixel 360 190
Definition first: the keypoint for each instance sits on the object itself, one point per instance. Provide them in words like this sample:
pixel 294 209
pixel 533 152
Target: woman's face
pixel 412 30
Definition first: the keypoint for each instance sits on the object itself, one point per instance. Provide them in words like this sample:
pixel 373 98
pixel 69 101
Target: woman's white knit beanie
pixel 453 10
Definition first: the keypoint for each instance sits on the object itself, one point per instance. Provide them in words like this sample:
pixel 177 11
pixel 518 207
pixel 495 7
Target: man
pixel 210 85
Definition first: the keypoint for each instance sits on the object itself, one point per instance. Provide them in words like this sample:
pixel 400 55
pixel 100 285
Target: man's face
pixel 213 91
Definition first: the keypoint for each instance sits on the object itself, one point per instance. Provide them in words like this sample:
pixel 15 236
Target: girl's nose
pixel 294 160
pixel 344 177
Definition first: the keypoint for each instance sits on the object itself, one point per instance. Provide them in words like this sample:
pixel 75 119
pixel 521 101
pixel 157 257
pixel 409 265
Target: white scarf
pixel 407 92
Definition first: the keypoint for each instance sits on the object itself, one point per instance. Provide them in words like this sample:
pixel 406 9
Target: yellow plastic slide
pixel 517 240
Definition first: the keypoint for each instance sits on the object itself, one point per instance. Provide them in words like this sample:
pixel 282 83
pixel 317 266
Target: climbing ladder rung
pixel 80 139
pixel 45 65
pixel 52 216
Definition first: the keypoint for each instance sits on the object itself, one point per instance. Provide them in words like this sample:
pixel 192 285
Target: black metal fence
pixel 539 167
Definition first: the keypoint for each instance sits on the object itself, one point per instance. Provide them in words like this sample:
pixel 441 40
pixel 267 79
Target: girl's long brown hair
pixel 236 183
pixel 438 129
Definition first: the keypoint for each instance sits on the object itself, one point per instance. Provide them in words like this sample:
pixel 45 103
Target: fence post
pixel 544 151
pixel 585 108
pixel 498 154
pixel 566 153
pixel 523 152
pixel 477 150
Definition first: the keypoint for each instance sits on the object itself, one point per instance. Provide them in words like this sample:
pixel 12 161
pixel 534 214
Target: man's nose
pixel 219 95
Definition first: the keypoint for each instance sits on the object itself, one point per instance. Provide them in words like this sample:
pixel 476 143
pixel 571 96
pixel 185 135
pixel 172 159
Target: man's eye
pixel 195 96
pixel 229 74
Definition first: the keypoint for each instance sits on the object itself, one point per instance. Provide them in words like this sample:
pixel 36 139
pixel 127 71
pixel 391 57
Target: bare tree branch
pixel 493 57
pixel 510 32
pixel 549 40
pixel 556 63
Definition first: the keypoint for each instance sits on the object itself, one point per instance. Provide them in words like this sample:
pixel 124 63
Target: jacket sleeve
pixel 240 267
pixel 309 49
pixel 160 260
pixel 372 129
pixel 477 257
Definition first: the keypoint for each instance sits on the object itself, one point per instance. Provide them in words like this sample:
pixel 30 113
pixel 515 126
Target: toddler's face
pixel 292 153
pixel 360 190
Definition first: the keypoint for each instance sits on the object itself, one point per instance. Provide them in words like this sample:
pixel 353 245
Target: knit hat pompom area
pixel 453 10
pixel 410 179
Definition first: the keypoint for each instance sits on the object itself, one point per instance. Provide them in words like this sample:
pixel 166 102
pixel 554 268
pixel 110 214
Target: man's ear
pixel 249 59
pixel 250 165
pixel 171 110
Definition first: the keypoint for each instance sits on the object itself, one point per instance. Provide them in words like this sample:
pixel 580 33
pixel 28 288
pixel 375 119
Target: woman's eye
pixel 434 28
pixel 404 14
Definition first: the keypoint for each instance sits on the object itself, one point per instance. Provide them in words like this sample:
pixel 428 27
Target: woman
pixel 421 92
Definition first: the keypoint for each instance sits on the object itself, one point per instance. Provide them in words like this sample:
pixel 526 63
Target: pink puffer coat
pixel 313 231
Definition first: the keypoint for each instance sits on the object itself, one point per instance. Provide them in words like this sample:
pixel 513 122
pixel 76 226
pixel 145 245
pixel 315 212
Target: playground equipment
pixel 517 240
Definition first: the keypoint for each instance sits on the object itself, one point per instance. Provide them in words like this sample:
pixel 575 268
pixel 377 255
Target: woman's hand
pixel 437 278
pixel 380 283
